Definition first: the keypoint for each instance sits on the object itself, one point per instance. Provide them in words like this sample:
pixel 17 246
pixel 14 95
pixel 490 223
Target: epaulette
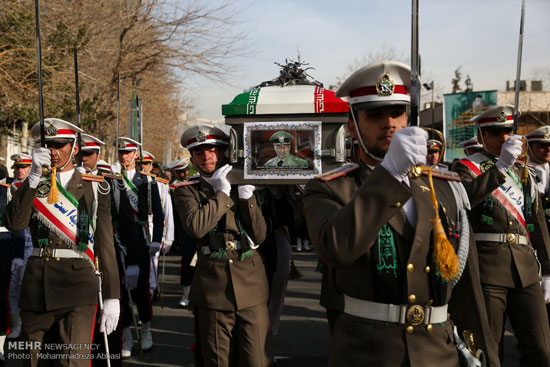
pixel 5 184
pixel 148 174
pixel 94 178
pixel 445 175
pixel 338 172
pixel 162 180
pixel 188 183
pixel 110 175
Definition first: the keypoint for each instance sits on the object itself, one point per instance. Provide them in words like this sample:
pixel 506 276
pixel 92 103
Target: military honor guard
pixel 71 230
pixel 21 250
pixel 282 142
pixel 187 246
pixel 471 146
pixel 403 258
pixel 230 285
pixel 511 236
pixel 143 195
pixel 434 156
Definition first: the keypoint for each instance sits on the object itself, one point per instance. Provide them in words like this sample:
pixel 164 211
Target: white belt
pixel 402 314
pixel 509 238
pixel 4 229
pixel 64 253
pixel 229 246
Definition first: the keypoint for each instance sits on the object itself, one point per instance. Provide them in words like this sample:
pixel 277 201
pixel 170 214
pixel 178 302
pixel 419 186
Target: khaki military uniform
pixel 345 216
pixel 64 290
pixel 510 271
pixel 230 291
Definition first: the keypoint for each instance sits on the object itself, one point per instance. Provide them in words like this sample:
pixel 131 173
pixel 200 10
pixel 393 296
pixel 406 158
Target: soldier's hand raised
pixel 219 181
pixel 41 157
pixel 408 148
pixel 509 153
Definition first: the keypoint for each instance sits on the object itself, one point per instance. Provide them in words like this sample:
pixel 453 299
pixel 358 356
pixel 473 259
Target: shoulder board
pixel 94 178
pixel 445 175
pixel 5 184
pixel 148 174
pixel 110 175
pixel 162 180
pixel 338 172
pixel 188 183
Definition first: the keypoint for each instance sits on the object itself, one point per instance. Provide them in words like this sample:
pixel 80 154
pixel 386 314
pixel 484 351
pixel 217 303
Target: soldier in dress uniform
pixel 434 157
pixel 371 222
pixel 230 285
pixel 282 142
pixel 21 246
pixel 511 235
pixel 143 194
pixel 168 230
pixel 471 146
pixel 60 285
pixel 188 247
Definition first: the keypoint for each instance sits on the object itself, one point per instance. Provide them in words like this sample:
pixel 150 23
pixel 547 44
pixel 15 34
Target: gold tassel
pixel 53 196
pixel 444 253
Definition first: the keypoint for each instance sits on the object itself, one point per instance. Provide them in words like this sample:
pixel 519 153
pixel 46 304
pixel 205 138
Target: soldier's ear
pixel 352 131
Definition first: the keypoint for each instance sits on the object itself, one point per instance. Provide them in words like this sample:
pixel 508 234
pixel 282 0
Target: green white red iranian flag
pixel 285 100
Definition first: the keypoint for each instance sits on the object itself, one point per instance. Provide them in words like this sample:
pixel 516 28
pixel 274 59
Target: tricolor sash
pixel 62 216
pixel 132 192
pixel 509 194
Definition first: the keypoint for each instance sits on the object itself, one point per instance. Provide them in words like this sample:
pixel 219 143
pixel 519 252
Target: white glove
pixel 132 275
pixel 546 288
pixel 408 148
pixel 17 263
pixel 167 246
pixel 246 191
pixel 154 248
pixel 116 168
pixel 509 153
pixel 82 169
pixel 109 315
pixel 219 181
pixel 40 158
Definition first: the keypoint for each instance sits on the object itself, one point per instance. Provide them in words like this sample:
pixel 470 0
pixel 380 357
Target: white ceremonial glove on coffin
pixel 132 274
pixel 546 288
pixel 154 248
pixel 109 315
pixel 167 246
pixel 408 148
pixel 116 168
pixel 219 181
pixel 246 191
pixel 509 153
pixel 40 158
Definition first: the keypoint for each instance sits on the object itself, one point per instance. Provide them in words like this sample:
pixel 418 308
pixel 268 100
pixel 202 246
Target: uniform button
pixel 429 328
pixel 59 243
pixel 230 261
pixel 510 223
pixel 227 205
pixel 430 302
pixel 427 270
pixel 56 259
pixel 252 205
pixel 397 204
pixel 410 268
pixel 412 298
pixel 410 329
pixel 46 259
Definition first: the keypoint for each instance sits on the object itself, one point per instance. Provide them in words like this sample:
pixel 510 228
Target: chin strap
pixel 361 138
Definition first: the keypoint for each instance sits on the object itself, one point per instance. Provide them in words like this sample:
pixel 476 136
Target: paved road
pixel 303 339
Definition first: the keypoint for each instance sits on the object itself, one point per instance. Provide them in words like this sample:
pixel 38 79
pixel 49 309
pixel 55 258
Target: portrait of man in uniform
pixel 281 144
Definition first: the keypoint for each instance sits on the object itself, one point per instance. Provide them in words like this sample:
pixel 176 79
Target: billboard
pixel 459 109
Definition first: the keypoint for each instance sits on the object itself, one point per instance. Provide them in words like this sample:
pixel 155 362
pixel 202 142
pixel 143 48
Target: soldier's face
pixel 61 153
pixel 146 166
pixel 127 158
pixel 377 127
pixel 433 157
pixel 21 172
pixel 206 158
pixel 182 174
pixel 89 159
pixel 540 152
pixel 494 138
pixel 281 150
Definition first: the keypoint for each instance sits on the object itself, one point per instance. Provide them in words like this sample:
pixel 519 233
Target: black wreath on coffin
pixel 292 73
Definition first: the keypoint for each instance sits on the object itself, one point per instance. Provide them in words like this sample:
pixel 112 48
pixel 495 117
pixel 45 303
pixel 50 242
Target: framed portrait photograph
pixel 289 150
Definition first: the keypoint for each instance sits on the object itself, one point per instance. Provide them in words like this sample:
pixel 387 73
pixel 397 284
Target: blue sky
pixel 479 35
